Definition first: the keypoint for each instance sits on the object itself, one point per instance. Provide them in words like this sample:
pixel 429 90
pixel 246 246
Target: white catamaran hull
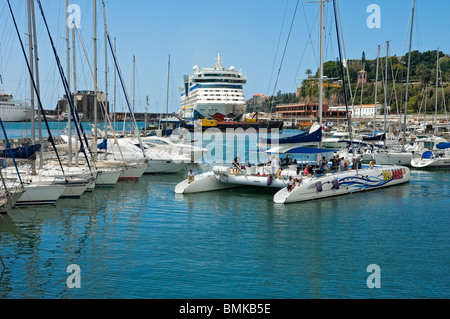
pixel 205 182
pixel 344 183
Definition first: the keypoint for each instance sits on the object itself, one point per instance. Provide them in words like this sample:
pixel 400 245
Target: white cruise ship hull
pixel 213 111
pixel 13 111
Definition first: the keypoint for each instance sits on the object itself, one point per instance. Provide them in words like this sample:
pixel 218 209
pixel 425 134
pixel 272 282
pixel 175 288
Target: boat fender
pixel 278 175
pixel 269 180
pixel 336 184
pixel 319 186
pixel 371 165
pixel 235 171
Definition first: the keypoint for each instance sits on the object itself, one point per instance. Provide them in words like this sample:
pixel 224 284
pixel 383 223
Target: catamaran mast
pixel 407 76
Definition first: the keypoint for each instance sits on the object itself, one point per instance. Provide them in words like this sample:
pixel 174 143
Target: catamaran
pixel 318 181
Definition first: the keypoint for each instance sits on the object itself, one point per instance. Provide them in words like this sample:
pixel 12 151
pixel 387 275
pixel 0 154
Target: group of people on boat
pixel 297 179
pixel 337 164
pixel 341 164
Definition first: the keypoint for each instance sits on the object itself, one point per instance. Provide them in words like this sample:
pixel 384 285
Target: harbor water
pixel 140 240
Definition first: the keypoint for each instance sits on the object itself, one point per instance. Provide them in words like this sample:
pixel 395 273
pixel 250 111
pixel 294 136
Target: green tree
pixel 424 74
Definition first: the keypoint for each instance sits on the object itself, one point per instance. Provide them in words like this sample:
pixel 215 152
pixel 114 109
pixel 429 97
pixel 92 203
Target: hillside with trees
pixel 422 90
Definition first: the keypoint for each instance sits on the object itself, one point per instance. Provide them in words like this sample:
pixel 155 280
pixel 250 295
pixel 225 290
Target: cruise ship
pixel 13 111
pixel 213 93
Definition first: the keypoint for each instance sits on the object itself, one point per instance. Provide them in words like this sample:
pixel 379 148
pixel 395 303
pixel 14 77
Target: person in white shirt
pixel 191 176
pixel 275 165
pixel 298 177
pixel 290 184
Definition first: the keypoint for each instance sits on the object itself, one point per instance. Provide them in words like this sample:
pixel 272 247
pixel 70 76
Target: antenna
pixel 219 61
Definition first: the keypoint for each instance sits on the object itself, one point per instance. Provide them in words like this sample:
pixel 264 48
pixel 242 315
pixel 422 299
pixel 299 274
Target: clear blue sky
pixel 250 35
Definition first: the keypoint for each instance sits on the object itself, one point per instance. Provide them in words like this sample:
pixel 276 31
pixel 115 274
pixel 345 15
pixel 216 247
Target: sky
pixel 273 42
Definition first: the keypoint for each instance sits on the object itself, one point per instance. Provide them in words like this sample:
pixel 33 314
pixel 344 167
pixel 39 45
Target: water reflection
pixel 140 240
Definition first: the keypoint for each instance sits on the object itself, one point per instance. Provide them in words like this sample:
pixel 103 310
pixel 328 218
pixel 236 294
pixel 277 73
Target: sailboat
pixel 105 174
pixel 158 160
pixel 437 157
pixel 404 155
pixel 40 189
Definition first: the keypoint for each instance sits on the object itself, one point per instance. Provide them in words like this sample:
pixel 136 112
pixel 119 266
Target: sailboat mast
pixel 407 75
pixel 37 79
pixel 167 97
pixel 95 80
pixel 134 82
pixel 69 117
pixel 362 94
pixel 376 93
pixel 146 110
pixel 115 85
pixel 322 9
pixel 350 131
pixel 385 90
pixel 32 102
pixel 437 90
pixel 74 88
pixel 106 70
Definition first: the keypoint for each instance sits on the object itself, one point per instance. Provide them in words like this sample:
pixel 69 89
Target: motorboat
pixel 438 159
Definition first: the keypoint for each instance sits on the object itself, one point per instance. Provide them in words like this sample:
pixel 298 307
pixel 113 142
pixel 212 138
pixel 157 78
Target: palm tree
pixel 308 72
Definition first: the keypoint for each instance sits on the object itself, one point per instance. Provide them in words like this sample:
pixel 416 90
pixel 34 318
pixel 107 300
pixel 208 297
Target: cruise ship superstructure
pixel 213 93
pixel 13 111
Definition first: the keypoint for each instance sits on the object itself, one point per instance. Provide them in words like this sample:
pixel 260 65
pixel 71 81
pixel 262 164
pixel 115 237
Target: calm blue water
pixel 140 240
